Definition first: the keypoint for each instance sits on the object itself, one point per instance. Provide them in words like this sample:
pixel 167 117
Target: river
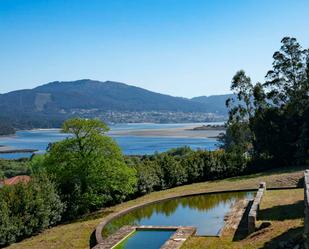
pixel 134 139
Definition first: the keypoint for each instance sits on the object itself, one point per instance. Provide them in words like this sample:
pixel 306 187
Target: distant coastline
pixel 193 131
pixel 8 150
pixel 209 127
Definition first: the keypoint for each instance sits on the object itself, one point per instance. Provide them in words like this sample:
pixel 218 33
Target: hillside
pixel 86 94
pixel 214 103
pixel 77 234
pixel 49 104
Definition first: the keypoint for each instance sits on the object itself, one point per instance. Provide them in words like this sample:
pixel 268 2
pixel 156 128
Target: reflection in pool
pixel 150 239
pixel 205 212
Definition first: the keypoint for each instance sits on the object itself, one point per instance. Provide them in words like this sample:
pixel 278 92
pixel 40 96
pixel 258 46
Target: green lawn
pixel 281 210
pixel 78 234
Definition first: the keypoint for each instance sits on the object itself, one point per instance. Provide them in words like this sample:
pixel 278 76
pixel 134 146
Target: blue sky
pixel 179 47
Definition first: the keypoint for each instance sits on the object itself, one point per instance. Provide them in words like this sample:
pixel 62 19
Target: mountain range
pixel 49 104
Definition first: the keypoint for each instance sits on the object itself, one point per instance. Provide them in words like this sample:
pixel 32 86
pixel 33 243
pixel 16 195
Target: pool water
pixel 146 239
pixel 205 212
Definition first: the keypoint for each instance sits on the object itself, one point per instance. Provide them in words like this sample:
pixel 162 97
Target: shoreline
pixel 186 131
pixel 4 148
pixel 13 151
pixel 189 131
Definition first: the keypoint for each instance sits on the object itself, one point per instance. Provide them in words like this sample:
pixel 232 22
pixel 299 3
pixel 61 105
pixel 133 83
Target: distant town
pixel 147 116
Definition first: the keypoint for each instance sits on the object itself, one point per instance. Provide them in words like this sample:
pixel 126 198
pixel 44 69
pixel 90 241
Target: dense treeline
pixel 183 166
pixel 10 168
pixel 270 121
pixel 27 209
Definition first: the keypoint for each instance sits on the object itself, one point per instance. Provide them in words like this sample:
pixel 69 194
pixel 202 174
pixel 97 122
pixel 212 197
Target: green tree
pixel 243 90
pixel 27 209
pixel 288 80
pixel 148 177
pixel 281 129
pixel 11 168
pixel 238 137
pixel 172 172
pixel 89 168
pixel 270 120
pixel 1 175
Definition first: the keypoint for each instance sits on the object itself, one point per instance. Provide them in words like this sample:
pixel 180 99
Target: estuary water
pixel 134 139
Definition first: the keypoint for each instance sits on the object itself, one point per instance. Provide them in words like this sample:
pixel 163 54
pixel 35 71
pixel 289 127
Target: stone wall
pixel 252 216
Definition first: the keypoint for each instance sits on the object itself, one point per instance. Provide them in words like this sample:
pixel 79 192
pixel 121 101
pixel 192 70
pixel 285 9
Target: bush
pixel 11 168
pixel 183 165
pixel 27 209
pixel 147 177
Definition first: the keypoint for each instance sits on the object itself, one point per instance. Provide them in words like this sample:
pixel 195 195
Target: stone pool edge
pixel 98 230
pixel 175 241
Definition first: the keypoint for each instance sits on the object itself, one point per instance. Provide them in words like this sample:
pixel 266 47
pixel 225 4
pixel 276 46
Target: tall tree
pixel 238 135
pixel 89 168
pixel 243 90
pixel 288 80
pixel 271 120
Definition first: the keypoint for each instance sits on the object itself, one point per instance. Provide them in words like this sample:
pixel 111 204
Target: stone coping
pixel 232 221
pixel 112 216
pixel 180 235
pixel 252 216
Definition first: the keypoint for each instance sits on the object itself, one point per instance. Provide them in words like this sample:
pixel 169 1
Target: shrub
pixel 28 209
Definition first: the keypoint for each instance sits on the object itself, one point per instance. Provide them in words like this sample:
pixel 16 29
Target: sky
pixel 179 47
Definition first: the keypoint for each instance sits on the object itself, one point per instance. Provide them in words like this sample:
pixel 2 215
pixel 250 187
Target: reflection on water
pixel 205 212
pixel 145 240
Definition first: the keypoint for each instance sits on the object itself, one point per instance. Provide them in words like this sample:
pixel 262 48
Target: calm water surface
pixel 131 145
pixel 145 240
pixel 205 212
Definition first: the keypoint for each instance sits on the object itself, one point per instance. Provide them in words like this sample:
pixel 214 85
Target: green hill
pixel 48 105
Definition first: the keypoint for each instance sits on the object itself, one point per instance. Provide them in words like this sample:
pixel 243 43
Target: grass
pixel 78 234
pixel 282 210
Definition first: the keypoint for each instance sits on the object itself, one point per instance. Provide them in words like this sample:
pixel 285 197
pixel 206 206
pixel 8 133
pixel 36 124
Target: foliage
pixel 27 209
pixel 273 121
pixel 183 166
pixel 35 164
pixel 288 80
pixel 11 168
pixel 1 175
pixel 237 138
pixel 88 168
pixel 243 90
pixel 148 175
